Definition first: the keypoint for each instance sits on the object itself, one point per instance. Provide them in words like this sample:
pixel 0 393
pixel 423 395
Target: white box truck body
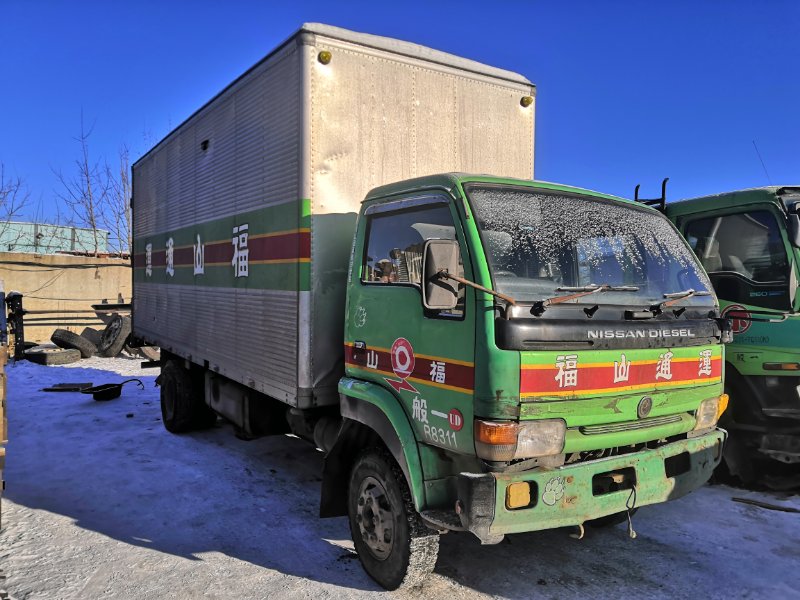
pixel 244 215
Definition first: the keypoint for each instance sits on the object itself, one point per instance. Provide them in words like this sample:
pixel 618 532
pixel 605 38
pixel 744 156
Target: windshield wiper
pixel 592 288
pixel 580 292
pixel 675 297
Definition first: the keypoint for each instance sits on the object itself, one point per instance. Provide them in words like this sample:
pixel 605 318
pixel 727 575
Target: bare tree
pixel 14 197
pixel 86 193
pixel 116 213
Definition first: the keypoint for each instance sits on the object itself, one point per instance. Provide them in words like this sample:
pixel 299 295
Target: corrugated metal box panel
pixel 253 137
pixel 144 212
pixel 270 337
pixel 250 161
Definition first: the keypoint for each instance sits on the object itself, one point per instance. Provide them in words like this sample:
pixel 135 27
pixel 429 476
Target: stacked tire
pixel 114 336
pixel 72 341
pixel 52 356
pixel 72 347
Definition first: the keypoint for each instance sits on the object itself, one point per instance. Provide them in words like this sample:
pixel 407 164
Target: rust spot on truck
pixel 612 405
pixel 501 405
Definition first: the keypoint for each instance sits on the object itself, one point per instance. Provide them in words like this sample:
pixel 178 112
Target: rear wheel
pixel 394 545
pixel 182 405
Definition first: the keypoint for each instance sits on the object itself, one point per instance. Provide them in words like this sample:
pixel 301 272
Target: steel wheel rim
pixel 375 520
pixel 111 333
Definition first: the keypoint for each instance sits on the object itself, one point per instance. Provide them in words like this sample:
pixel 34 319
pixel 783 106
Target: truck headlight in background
pixel 709 412
pixel 502 441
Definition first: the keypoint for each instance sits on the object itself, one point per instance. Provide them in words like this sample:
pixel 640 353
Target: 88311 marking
pixel 438 435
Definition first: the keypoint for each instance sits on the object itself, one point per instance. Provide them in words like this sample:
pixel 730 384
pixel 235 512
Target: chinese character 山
pixel 199 257
pixel 622 369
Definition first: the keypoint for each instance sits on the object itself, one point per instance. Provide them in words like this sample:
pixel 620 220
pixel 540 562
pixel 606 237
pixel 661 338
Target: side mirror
pixel 439 293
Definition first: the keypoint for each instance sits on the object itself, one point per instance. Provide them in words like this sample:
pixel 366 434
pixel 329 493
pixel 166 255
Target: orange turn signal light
pixel 781 366
pixel 722 405
pixel 496 433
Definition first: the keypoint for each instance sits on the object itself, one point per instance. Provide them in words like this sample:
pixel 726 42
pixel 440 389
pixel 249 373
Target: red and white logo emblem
pixel 739 317
pixel 456 419
pixel 402 364
pixel 402 358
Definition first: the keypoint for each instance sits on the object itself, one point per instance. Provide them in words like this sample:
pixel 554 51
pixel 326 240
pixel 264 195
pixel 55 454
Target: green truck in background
pixel 749 243
pixel 475 353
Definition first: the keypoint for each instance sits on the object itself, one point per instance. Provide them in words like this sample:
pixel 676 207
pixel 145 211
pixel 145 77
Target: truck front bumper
pixel 568 495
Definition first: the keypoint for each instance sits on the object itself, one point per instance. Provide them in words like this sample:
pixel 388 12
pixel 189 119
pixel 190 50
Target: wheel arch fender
pixel 371 414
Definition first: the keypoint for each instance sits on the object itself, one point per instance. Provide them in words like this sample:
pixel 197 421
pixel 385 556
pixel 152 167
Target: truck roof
pixel 449 180
pixel 770 193
pixel 308 33
pixel 408 49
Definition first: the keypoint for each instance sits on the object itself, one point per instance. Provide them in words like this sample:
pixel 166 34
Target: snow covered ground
pixel 102 502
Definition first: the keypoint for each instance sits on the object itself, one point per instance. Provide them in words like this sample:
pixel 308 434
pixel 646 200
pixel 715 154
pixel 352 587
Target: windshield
pixel 539 241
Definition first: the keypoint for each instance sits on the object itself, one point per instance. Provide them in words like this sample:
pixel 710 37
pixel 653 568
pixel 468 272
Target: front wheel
pixel 394 545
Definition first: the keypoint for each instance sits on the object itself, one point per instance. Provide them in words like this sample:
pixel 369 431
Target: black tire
pixel 610 520
pixel 114 336
pixel 408 549
pixel 53 356
pixel 91 334
pixel 66 339
pixel 182 406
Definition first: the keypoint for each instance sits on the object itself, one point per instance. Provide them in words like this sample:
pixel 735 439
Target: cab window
pixel 744 255
pixel 395 244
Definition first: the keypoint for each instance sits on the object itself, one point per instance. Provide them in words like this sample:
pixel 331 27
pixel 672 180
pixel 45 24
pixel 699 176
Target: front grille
pixel 629 425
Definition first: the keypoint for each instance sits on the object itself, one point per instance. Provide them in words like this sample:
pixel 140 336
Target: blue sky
pixel 628 92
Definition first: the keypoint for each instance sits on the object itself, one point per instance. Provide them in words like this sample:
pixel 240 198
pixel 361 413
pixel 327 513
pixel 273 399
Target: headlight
pixel 710 411
pixel 503 441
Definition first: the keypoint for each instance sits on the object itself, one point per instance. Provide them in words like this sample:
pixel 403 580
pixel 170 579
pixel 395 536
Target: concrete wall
pixel 64 282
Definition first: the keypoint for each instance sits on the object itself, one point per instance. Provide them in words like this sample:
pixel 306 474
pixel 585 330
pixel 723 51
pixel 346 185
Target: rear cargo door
pixel 425 358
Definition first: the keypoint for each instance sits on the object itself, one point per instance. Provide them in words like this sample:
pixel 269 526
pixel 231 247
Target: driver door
pixel 424 358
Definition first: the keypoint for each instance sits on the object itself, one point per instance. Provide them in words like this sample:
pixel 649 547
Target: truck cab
pixel 748 243
pixel 530 356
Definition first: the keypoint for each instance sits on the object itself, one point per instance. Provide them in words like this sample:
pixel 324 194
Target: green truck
pixel 749 243
pixel 476 353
